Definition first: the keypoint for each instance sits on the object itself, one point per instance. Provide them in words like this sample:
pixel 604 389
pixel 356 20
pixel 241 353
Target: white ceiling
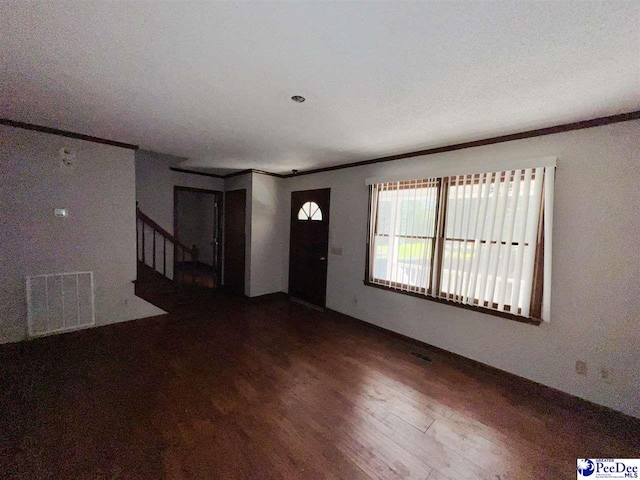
pixel 212 81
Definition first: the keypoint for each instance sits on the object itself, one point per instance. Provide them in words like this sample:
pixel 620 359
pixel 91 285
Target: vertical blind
pixel 478 239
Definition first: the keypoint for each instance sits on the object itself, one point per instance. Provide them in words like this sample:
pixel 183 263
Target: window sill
pixel 488 311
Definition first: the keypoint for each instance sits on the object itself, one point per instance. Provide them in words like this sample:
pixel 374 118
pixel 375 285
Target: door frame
pixel 220 202
pixel 293 213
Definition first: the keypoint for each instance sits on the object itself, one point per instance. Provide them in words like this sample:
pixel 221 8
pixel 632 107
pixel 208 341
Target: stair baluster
pixel 180 250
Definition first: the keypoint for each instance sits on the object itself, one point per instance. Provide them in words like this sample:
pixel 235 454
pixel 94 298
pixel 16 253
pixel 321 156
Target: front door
pixel 309 245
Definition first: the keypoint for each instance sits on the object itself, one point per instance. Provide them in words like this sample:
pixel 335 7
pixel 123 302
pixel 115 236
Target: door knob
pixel 323 258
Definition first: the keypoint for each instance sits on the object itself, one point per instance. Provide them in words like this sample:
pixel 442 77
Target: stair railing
pixel 177 251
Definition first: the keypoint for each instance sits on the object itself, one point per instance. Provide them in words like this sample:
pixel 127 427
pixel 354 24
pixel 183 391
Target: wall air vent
pixel 60 302
pixel 421 356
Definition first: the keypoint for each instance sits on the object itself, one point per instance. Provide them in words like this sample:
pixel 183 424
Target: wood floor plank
pixel 481 452
pixel 269 389
pixel 438 455
pixel 359 425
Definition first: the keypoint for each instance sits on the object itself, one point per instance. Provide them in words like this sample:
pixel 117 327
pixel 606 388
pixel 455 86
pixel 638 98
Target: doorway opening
pixel 197 223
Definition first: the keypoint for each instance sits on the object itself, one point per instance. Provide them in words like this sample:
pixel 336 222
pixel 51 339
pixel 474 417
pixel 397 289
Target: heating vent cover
pixel 60 302
pixel 421 356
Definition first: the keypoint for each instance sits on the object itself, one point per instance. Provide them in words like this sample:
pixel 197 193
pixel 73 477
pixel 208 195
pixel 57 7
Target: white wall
pixel 99 234
pixel 596 267
pixel 155 182
pixel 268 200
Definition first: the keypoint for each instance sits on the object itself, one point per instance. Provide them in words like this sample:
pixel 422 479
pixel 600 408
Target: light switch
pixel 61 212
pixel 335 250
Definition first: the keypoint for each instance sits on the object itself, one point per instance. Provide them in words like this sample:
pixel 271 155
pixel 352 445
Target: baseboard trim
pixel 307 304
pixel 558 397
pixel 267 297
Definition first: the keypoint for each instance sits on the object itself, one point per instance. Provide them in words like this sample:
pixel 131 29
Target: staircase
pixel 162 263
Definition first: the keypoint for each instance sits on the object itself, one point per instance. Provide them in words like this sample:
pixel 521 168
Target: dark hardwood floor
pixel 233 388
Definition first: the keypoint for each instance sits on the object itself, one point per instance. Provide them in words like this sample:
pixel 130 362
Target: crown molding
pixel 195 172
pixel 65 133
pixel 229 175
pixel 567 127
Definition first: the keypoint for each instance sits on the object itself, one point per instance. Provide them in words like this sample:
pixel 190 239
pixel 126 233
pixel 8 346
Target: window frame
pixel 312 213
pixel 439 242
pixel 434 239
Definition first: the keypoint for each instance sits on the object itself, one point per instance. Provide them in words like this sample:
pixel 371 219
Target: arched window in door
pixel 310 211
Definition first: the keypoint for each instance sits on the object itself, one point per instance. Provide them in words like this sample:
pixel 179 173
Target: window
pixel 310 211
pixel 475 240
pixel 404 235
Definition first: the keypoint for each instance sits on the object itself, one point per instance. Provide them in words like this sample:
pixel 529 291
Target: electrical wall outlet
pixel 581 367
